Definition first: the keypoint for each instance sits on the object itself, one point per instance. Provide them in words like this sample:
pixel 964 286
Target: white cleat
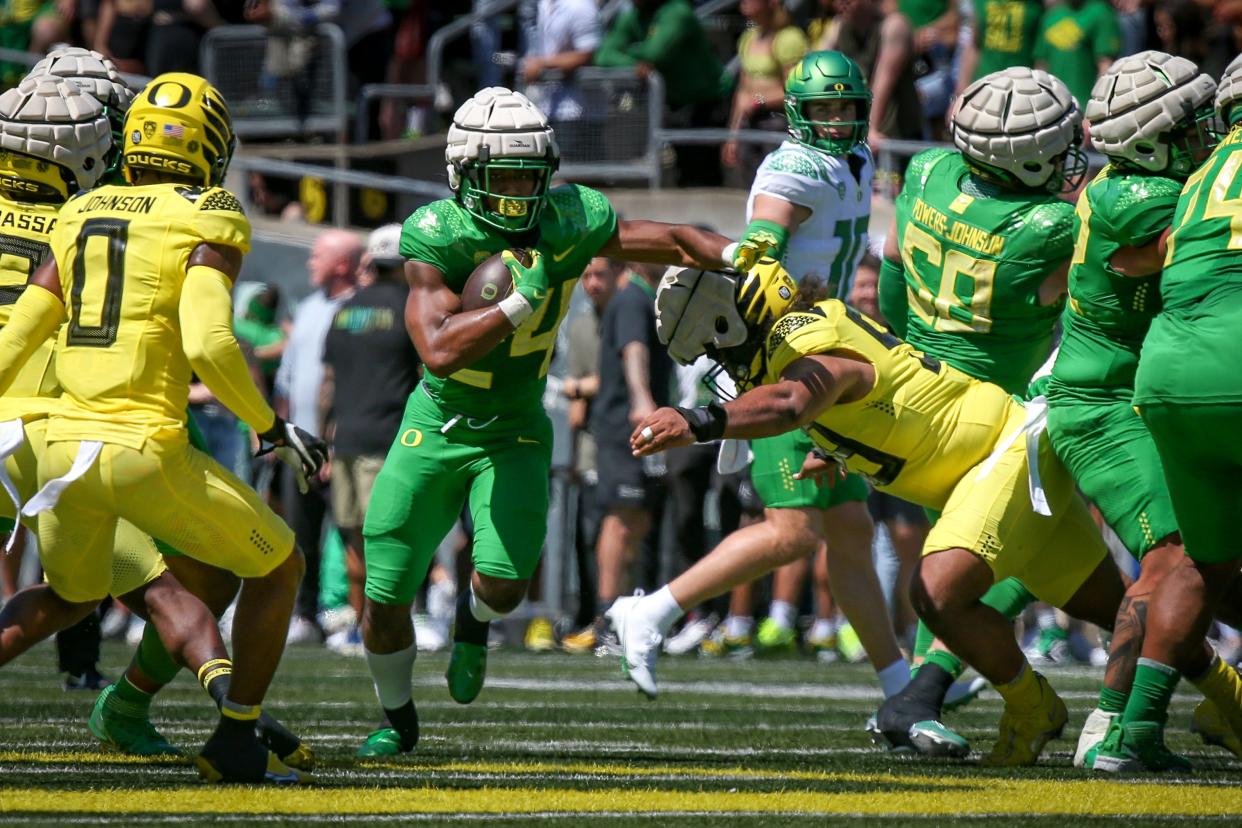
pixel 1093 731
pixel 691 636
pixel 640 642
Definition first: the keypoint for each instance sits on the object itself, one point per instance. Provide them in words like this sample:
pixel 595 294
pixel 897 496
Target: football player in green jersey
pixel 974 274
pixel 475 431
pixel 1187 391
pixel 1150 115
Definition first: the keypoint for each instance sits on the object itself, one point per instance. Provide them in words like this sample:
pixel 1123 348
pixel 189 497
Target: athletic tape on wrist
pixel 517 307
pixel 707 423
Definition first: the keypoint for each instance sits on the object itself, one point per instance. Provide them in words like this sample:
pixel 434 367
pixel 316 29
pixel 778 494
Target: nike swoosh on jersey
pixel 556 257
pixel 529 440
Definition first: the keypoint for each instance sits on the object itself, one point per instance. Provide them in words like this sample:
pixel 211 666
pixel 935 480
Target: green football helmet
pixel 826 76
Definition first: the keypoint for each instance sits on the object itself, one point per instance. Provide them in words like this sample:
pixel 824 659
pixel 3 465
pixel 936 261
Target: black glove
pixel 299 450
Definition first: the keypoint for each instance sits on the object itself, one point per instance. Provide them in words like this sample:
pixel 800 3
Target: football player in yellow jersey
pixel 139 288
pixel 917 428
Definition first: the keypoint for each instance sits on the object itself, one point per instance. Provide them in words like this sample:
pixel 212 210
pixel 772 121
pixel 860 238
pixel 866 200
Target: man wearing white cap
pixel 369 369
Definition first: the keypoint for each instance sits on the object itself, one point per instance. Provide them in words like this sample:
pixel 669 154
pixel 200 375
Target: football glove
pixel 298 449
pixel 761 239
pixel 531 281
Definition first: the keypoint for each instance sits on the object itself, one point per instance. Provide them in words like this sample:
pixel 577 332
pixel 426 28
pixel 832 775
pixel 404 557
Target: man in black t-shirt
pixel 635 374
pixel 369 369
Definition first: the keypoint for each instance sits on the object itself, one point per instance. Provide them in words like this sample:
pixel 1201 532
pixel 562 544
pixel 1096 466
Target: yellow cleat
pixel 302 758
pixel 582 642
pixel 539 637
pixel 276 772
pixel 1024 733
pixel 1214 729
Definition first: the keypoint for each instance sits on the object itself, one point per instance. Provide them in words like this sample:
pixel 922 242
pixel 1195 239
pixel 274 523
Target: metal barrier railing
pixel 606 120
pixel 279 86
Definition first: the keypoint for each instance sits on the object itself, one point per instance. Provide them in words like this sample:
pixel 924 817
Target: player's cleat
pixel 90 679
pixel 1024 733
pixel 640 642
pixel 129 731
pixel 722 645
pixel 539 637
pixel 823 642
pixel 1050 649
pixel 582 642
pixel 962 693
pixel 1093 732
pixel 1137 746
pixel 908 721
pixel 692 635
pixel 281 741
pixel 466 670
pixel 773 638
pixel 850 646
pixel 273 772
pixel 1214 729
pixel 383 742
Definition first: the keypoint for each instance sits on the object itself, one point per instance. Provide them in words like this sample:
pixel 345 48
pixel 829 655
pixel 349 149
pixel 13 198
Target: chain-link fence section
pixel 278 84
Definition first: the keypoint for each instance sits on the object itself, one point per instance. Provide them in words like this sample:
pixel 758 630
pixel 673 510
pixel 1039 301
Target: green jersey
pixel 1005 32
pixel 1207 229
pixel 1109 313
pixel 974 257
pixel 1074 38
pixel 510 379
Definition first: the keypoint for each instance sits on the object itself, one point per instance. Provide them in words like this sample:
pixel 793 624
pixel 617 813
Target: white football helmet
pixel 1229 92
pixel 94 73
pixel 1021 126
pixel 1142 106
pixel 501 130
pixel 54 139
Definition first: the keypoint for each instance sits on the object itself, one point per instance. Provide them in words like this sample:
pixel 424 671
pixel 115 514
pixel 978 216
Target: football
pixel 490 282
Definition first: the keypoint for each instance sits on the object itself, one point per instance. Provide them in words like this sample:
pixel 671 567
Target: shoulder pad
pixel 796 160
pixel 786 326
pixel 220 199
pixel 921 165
pixel 190 193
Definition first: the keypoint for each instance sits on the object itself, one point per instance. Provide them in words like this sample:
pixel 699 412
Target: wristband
pixel 823 455
pixel 517 307
pixel 727 255
pixel 707 423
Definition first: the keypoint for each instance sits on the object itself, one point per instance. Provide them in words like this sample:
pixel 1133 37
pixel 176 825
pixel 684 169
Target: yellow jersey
pixel 923 425
pixel 25 228
pixel 123 252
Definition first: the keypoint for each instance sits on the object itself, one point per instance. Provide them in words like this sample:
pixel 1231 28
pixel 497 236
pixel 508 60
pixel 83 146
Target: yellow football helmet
pixel 179 124
pixel 765 293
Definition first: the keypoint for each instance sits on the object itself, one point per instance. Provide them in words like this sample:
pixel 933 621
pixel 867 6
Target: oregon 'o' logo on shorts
pixel 411 438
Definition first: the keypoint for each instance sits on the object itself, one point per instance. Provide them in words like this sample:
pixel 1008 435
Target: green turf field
pixel 563 741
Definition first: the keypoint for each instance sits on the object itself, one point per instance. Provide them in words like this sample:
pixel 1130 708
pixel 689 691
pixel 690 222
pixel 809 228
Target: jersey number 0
pixel 101 253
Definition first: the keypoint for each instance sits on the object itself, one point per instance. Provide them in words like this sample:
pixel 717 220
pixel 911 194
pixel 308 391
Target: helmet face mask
pixel 507 193
pixel 820 77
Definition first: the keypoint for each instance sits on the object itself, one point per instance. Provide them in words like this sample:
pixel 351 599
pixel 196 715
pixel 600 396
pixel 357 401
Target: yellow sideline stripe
pixel 986 796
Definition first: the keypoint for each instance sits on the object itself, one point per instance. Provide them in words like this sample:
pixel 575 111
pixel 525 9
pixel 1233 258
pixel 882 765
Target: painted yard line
pixel 982 796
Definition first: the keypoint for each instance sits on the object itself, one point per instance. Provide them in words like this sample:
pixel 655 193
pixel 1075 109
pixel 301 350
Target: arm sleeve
pixel 206 316
pixel 36 316
pixel 892 296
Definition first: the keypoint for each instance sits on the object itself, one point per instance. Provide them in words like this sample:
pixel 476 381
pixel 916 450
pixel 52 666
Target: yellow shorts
pixel 993 518
pixel 135 560
pixel 169 491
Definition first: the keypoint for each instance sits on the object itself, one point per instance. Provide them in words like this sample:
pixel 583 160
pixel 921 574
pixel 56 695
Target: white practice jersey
pixel 831 242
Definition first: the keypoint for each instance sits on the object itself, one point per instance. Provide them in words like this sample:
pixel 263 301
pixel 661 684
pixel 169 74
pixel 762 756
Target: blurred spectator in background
pixel 31 26
pixel 635 374
pixel 176 30
pixel 1003 34
pixel 936 25
pixel 262 341
pixel 1078 39
pixel 408 64
pixel 767 50
pixel 581 384
pixel 666 36
pixel 883 46
pixel 1180 26
pixel 567 33
pixel 332 268
pixel 369 369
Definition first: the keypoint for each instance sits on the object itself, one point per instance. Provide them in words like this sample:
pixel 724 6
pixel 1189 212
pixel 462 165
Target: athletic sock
pixel 663 609
pixel 823 628
pixel 404 720
pixel 946 661
pixel 128 700
pixel 153 659
pixel 1021 693
pixel 1112 701
pixel 929 687
pixel 1221 685
pixel 1154 684
pixel 922 643
pixel 739 626
pixel 390 673
pixel 894 677
pixel 1009 597
pixel 215 676
pixel 468 628
pixel 783 613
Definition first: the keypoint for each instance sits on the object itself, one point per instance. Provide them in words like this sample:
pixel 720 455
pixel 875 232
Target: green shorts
pixel 498 467
pixel 778 459
pixel 1113 458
